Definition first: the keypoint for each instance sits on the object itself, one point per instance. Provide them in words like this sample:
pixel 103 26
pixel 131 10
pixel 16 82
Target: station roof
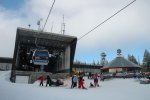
pixel 29 36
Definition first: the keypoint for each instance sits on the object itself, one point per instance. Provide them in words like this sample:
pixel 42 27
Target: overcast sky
pixel 128 31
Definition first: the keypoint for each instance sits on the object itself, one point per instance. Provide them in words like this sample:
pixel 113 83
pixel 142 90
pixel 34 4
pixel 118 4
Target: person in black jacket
pixel 48 80
pixel 96 82
pixel 72 83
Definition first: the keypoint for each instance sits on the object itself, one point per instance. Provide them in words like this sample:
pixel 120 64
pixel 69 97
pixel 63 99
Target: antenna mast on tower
pixel 39 24
pixel 63 26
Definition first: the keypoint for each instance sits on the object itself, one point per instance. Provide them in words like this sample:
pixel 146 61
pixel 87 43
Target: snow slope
pixel 115 89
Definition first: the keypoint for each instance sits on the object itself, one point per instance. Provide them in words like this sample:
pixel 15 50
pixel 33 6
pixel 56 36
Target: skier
pixel 41 78
pixel 89 76
pixel 91 84
pixel 48 82
pixel 102 77
pixel 96 82
pixel 75 81
pixel 72 81
pixel 81 82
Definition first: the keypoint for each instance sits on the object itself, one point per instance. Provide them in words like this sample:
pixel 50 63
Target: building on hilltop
pixel 120 64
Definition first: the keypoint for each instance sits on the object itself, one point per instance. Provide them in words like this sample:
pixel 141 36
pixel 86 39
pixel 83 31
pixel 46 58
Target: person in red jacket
pixel 81 82
pixel 41 80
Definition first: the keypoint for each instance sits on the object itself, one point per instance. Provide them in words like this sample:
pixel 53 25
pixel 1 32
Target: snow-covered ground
pixel 114 89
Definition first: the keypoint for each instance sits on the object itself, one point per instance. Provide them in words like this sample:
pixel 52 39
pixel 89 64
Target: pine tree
pixel 94 62
pixel 98 63
pixel 129 57
pixel 132 59
pixel 146 60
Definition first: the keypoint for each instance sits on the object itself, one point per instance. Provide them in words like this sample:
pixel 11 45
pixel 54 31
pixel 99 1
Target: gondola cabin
pixel 40 57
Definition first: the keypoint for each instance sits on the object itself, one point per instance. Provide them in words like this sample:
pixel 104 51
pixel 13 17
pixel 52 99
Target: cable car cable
pixel 106 20
pixel 48 15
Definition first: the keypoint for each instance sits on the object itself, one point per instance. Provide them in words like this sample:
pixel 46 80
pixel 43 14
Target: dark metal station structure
pixel 61 47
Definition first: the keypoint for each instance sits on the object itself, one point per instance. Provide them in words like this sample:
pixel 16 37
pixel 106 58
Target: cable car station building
pixel 60 48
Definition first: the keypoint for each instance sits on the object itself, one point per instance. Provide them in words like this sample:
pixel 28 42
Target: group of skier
pixel 49 81
pixel 80 82
pixel 77 81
